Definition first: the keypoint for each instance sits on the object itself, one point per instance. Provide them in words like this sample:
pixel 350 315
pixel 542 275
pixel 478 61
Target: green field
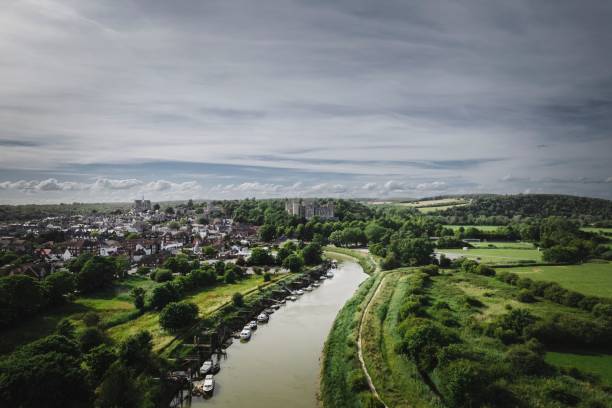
pixel 502 245
pixel 599 364
pixel 207 301
pixel 604 231
pixel 589 278
pixel 503 255
pixel 480 227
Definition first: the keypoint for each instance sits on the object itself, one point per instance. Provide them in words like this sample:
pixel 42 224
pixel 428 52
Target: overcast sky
pixel 110 100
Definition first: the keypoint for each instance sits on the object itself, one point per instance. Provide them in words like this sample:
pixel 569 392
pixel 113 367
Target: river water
pixel 280 365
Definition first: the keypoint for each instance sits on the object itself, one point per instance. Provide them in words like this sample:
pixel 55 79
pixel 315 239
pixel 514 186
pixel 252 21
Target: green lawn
pixel 589 278
pixel 207 301
pixel 503 245
pixel 496 255
pixel 599 364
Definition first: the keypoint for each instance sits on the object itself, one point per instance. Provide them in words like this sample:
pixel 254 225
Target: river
pixel 280 365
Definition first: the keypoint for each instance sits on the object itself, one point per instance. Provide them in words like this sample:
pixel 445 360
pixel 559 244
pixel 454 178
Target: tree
pixel 230 276
pixel 98 272
pixel 293 262
pixel 169 210
pixel 143 270
pixel 156 207
pixel 91 319
pixel 139 297
pixel 178 264
pixel 162 275
pixel 76 264
pixel 267 232
pixel 65 328
pixel 238 299
pixel 421 341
pixel 260 257
pixel 177 315
pixel 91 337
pixel 119 389
pixel 209 251
pixel 98 360
pixel 58 285
pixel 123 264
pixel 44 378
pixel 465 383
pixel 375 233
pixel 164 294
pixel 282 253
pixel 135 351
pixel 20 297
pixel 312 253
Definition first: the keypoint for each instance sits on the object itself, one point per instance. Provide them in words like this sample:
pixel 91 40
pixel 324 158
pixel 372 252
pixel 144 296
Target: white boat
pixel 209 383
pixel 316 284
pixel 308 288
pixel 206 367
pixel 262 318
pixel 245 334
pixel 330 274
pixel 275 306
pixel 299 292
pixel 269 310
pixel 323 277
pixel 293 298
pixel 252 325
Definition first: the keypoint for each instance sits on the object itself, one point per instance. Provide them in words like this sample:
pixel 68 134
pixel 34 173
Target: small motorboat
pixel 299 292
pixel 263 318
pixel 293 298
pixel 245 334
pixel 209 384
pixel 308 288
pixel 252 325
pixel 316 284
pixel 323 277
pixel 282 301
pixel 206 367
pixel 330 274
pixel 269 310
pixel 275 306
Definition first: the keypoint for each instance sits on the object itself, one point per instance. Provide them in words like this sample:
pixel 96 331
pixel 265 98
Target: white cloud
pixel 114 184
pixel 433 186
pixel 369 186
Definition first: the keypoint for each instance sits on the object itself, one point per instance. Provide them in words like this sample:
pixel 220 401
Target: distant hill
pixel 533 205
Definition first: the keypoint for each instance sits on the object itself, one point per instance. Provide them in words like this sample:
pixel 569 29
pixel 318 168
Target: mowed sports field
pixel 593 278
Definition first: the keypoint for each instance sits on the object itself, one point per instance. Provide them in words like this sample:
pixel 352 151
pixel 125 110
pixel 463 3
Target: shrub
pixel 162 275
pixel 522 359
pixel 603 310
pixel 267 277
pixel 421 341
pixel 91 319
pixel 431 270
pixel 164 294
pixel 465 383
pixel 90 338
pixel 238 299
pixel 357 381
pixel 525 296
pixel 485 270
pixel 178 315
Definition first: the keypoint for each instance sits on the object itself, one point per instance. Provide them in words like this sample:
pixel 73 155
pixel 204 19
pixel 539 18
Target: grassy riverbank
pixel 366 260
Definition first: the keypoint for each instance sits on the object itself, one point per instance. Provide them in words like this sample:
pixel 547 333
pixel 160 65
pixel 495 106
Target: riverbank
pixel 422 332
pixel 344 382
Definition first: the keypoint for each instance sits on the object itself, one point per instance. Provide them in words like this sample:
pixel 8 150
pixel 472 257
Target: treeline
pixel 588 210
pixel 28 212
pixel 66 370
pixel 22 296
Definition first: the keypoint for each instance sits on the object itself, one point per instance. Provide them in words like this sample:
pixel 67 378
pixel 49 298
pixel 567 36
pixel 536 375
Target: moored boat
pixel 206 367
pixel 263 318
pixel 245 334
pixel 209 384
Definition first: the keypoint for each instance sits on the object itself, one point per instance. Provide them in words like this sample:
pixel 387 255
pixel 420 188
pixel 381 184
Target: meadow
pixel 502 253
pixel 595 363
pixel 487 228
pixel 593 278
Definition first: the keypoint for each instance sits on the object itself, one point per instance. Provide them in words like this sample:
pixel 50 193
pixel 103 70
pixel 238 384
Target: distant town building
pixel 142 205
pixel 309 209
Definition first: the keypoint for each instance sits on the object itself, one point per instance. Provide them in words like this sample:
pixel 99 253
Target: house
pixel 77 247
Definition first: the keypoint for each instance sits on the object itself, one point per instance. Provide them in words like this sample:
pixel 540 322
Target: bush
pixel 178 315
pixel 485 270
pixel 162 275
pixel 431 270
pixel 603 310
pixel 357 381
pixel 91 319
pixel 164 294
pixel 522 359
pixel 90 338
pixel 525 296
pixel 143 270
pixel 267 277
pixel 421 341
pixel 465 383
pixel 238 299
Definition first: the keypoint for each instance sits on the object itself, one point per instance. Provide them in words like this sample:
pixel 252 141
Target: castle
pixel 309 209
